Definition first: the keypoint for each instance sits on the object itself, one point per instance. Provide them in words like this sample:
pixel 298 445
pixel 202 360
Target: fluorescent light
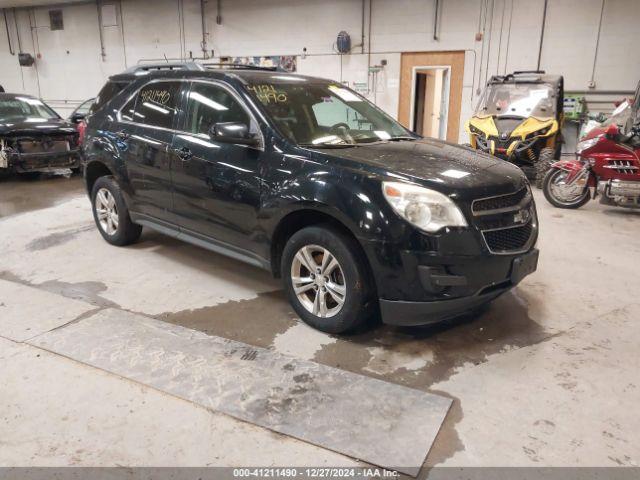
pixel 30 101
pixel 326 139
pixel 207 101
pixel 454 173
pixel 345 94
pixel 295 79
pixel 155 107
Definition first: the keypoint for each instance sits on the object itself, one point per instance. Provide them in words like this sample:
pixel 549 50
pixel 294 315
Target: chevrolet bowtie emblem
pixel 522 216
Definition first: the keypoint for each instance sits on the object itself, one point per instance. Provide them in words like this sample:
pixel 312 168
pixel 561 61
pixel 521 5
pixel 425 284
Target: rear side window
pixel 155 104
pixel 110 90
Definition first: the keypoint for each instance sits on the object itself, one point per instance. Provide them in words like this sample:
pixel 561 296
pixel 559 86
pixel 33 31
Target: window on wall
pixel 209 104
pixel 55 20
pixel 155 105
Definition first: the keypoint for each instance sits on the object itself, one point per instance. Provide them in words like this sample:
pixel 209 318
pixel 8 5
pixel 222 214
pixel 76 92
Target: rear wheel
pixel 325 279
pixel 111 214
pixel 543 164
pixel 561 195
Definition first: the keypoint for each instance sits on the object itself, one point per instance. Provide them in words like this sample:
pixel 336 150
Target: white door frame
pixel 446 88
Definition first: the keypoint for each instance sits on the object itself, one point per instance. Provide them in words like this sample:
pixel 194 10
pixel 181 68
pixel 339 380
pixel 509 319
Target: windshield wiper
pixel 401 137
pixel 327 145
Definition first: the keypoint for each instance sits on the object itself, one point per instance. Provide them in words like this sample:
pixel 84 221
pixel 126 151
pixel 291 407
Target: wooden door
pixel 455 60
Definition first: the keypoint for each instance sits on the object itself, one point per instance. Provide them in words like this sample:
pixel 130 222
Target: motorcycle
pixel 608 165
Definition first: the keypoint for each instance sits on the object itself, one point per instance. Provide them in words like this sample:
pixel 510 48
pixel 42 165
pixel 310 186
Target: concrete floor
pixel 547 376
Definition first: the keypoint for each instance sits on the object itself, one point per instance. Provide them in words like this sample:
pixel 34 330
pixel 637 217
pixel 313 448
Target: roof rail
pixel 529 71
pixel 237 66
pixel 146 67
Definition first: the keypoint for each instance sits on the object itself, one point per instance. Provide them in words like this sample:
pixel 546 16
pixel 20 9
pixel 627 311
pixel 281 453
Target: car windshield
pixel 25 109
pixel 518 99
pixel 316 113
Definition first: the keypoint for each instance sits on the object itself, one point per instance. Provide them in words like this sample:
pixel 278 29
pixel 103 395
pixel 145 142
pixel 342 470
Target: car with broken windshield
pixel 307 179
pixel 34 138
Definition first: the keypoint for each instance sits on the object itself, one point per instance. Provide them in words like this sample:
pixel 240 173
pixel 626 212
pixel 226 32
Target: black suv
pixel 306 178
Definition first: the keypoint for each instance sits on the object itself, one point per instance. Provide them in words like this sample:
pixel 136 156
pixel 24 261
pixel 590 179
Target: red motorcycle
pixel 608 165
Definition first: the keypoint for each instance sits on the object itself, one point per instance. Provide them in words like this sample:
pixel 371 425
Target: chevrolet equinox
pixel 307 179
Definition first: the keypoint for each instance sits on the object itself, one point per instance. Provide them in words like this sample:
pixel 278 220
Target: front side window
pixel 155 104
pixel 209 104
pixel 25 109
pixel 313 112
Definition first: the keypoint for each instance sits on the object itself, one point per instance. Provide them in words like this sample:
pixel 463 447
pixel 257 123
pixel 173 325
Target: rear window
pixel 155 105
pixel 110 90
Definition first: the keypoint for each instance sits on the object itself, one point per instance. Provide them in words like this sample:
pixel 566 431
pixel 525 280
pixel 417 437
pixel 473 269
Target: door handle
pixel 122 135
pixel 184 154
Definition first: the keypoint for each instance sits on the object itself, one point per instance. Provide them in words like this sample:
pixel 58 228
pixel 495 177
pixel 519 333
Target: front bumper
pixel 42 162
pixel 498 280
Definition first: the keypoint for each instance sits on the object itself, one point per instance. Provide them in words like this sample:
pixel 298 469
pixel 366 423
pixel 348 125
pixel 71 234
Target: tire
pixel 350 276
pixel 107 199
pixel 543 164
pixel 552 175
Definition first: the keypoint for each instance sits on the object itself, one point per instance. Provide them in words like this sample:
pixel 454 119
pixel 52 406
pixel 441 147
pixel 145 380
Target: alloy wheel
pixel 318 281
pixel 107 211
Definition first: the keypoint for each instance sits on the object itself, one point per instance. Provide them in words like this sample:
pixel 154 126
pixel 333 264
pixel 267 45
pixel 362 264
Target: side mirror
pixel 232 132
pixel 77 117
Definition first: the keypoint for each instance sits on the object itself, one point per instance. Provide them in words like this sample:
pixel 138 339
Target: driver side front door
pixel 216 185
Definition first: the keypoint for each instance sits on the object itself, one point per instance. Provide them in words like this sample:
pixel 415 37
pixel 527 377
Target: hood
pixel 46 127
pixel 442 166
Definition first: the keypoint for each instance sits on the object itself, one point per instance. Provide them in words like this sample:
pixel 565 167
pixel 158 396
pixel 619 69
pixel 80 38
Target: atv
pixel 519 119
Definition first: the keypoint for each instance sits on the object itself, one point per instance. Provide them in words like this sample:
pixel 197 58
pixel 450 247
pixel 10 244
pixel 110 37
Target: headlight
pixel 584 144
pixel 426 209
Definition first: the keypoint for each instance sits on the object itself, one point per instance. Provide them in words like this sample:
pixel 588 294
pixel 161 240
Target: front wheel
pixel 325 276
pixel 560 194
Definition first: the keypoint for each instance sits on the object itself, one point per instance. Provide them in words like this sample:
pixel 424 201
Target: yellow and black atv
pixel 519 119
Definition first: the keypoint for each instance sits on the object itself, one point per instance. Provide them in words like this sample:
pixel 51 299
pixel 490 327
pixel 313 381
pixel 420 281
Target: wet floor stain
pixel 85 291
pixel 55 239
pixel 256 322
pixel 417 357
pixel 19 194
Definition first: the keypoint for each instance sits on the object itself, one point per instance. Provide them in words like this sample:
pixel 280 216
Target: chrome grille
pixel 622 166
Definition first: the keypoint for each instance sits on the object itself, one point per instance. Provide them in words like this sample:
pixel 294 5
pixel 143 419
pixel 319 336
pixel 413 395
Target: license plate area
pixel 523 266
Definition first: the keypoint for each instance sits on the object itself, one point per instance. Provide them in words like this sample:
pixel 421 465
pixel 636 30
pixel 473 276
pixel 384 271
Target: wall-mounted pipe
pixel 103 52
pixel 544 21
pixel 15 21
pixel 506 53
pixel 362 30
pixel 6 24
pixel 219 12
pixel 435 20
pixel 203 44
pixel 124 45
pixel 595 54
